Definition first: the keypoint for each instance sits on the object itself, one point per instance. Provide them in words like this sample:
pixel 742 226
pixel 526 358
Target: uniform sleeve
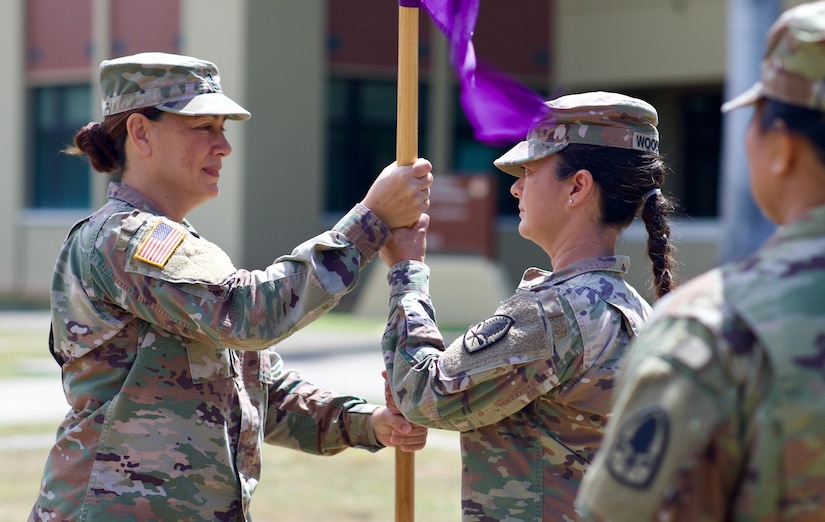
pixel 194 290
pixel 492 371
pixel 304 417
pixel 672 447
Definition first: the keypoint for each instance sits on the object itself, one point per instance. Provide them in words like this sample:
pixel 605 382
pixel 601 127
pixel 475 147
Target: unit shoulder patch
pixel 640 444
pixel 161 243
pixel 515 334
pixel 487 332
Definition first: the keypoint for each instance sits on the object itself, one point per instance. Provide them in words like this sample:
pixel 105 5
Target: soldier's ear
pixel 137 134
pixel 783 147
pixel 581 187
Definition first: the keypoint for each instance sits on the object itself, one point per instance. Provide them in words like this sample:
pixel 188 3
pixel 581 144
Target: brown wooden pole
pixel 407 122
pixel 406 153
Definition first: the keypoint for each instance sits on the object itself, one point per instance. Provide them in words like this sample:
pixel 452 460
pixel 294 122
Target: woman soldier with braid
pixel 530 386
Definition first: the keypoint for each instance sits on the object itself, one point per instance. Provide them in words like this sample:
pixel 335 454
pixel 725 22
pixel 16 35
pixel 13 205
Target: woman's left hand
pixel 392 429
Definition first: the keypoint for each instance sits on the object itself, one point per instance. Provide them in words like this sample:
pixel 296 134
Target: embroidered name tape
pixel 645 142
pixel 161 244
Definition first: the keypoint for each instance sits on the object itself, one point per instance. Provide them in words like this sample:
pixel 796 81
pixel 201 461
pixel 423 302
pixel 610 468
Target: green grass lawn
pixel 354 486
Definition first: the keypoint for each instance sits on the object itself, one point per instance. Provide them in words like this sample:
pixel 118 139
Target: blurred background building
pixel 319 79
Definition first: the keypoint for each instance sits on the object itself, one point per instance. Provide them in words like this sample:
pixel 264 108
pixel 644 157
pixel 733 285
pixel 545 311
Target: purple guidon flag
pixel 500 109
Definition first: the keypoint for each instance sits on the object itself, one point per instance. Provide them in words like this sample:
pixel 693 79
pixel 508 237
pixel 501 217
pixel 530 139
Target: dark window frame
pixel 57 180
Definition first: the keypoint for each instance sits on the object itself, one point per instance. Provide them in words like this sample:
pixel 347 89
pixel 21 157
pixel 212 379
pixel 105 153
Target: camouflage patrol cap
pixel 172 83
pixel 793 67
pixel 594 118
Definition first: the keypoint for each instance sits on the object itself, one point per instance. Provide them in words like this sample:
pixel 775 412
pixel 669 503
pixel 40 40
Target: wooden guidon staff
pixel 406 153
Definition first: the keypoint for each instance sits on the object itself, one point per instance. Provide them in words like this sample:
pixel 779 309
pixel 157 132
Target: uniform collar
pixel 617 264
pixel 131 196
pixel 127 194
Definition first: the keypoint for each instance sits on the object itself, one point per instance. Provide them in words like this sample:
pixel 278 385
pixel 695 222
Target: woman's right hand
pixel 399 195
pixel 407 243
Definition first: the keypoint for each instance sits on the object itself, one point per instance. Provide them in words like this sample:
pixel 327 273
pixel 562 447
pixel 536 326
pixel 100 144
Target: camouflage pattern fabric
pixel 172 385
pixel 528 387
pixel 719 412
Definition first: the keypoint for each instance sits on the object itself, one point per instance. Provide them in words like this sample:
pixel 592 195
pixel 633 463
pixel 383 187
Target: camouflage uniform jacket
pixel 528 387
pixel 720 413
pixel 172 386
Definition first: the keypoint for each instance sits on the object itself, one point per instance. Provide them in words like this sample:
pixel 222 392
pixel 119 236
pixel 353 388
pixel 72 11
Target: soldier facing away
pixel 529 386
pixel 164 344
pixel 720 409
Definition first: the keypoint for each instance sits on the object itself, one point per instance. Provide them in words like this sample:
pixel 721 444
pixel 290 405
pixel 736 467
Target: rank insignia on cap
pixel 487 332
pixel 640 444
pixel 161 243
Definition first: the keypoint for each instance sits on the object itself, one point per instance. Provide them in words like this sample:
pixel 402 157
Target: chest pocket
pixel 208 363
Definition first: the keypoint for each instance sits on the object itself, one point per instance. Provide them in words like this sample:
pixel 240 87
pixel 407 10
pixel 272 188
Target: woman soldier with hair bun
pixel 164 345
pixel 529 387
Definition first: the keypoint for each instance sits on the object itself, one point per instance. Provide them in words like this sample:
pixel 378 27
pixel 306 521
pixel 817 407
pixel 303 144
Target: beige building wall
pixel 640 42
pixel 35 235
pixel 285 146
pixel 29 240
pixel 216 31
pixel 11 136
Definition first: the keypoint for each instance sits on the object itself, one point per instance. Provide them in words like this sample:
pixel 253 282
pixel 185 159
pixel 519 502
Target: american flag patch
pixel 161 243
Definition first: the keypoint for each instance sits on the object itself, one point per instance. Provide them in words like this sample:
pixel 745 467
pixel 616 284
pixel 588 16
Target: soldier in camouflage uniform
pixel 529 386
pixel 164 344
pixel 720 409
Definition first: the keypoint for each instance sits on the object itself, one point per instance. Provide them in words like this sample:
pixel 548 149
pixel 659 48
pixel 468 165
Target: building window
pixel 701 151
pixel 361 135
pixel 471 156
pixel 58 180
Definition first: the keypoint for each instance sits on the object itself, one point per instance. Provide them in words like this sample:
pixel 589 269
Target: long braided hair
pixel 629 181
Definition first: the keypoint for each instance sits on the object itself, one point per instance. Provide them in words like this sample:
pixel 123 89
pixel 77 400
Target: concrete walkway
pixel 25 319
